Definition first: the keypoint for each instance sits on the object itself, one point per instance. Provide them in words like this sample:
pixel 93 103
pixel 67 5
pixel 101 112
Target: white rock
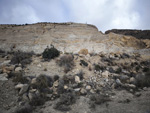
pixel 33 81
pixel 118 82
pixel 88 87
pixel 132 80
pixel 31 95
pixel 18 69
pixel 18 86
pixel 77 79
pixel 83 91
pixel 77 89
pixel 39 65
pixel 105 74
pixel 24 89
pixel 3 77
pixel 132 86
pixel 6 62
pixel 55 84
pixel 65 87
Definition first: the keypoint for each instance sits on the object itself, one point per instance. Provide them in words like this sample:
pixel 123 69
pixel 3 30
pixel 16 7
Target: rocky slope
pixel 82 70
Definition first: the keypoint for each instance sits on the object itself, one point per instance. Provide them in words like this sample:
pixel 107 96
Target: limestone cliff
pixel 67 37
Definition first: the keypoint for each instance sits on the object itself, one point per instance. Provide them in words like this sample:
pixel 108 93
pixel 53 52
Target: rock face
pixel 140 34
pixel 66 37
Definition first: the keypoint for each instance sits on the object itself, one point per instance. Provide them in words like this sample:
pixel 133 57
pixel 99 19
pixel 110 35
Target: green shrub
pixel 50 53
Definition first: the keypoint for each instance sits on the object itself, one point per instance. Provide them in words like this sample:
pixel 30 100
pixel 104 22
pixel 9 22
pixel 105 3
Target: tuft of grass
pixel 68 79
pixel 50 53
pixel 23 58
pixel 80 74
pixel 82 62
pixel 67 61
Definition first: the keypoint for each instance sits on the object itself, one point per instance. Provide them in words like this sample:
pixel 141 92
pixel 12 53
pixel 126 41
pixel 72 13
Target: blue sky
pixel 105 14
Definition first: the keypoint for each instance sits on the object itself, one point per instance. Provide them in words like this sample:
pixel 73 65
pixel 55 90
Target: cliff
pixel 67 37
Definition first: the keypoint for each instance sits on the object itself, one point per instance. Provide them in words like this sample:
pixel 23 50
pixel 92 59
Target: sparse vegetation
pixel 67 61
pixel 65 101
pixel 80 74
pixel 42 82
pixel 37 101
pixel 119 70
pixel 22 57
pixel 143 80
pixel 18 77
pixel 98 67
pixel 50 53
pixel 24 109
pixel 99 98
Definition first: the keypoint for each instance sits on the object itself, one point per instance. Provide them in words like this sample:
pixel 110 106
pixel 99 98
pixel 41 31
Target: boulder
pixel 88 87
pixel 105 74
pixel 19 86
pixel 3 77
pixel 77 79
pixel 83 91
pixel 23 89
pixel 18 69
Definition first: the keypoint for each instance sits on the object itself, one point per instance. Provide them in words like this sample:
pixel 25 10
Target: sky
pixel 104 14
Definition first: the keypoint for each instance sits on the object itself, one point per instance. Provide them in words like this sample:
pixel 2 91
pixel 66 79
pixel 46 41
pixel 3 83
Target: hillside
pixel 73 68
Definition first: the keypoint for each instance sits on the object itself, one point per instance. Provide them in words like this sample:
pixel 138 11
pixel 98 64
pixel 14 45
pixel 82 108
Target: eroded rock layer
pixel 67 37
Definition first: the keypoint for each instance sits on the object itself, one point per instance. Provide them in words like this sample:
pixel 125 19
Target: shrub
pixel 99 98
pixel 1 52
pixel 143 80
pixel 37 101
pixel 80 74
pixel 98 67
pixel 56 77
pixel 22 57
pixel 82 62
pixel 67 62
pixel 42 82
pixel 18 77
pixel 50 53
pixel 65 100
pixel 68 79
pixel 119 70
pixel 24 109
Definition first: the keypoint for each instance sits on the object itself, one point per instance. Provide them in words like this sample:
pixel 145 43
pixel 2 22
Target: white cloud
pixel 105 14
pixel 23 14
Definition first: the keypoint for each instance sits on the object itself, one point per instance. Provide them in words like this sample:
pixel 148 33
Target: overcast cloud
pixel 105 14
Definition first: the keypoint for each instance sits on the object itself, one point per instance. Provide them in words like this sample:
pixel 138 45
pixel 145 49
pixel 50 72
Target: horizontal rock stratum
pixel 67 37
